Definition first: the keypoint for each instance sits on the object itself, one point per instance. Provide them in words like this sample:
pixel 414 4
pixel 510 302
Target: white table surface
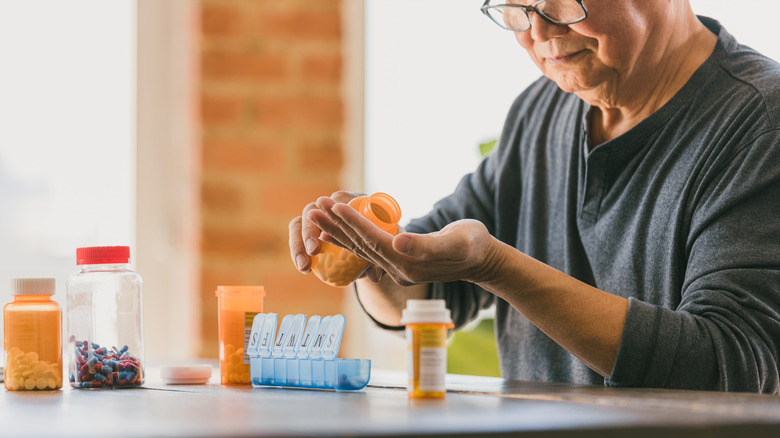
pixel 474 406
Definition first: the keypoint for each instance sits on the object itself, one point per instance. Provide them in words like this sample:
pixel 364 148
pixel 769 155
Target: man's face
pixel 601 52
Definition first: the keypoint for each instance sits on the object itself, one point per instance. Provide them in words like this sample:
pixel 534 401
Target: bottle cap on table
pixel 195 374
pixel 32 286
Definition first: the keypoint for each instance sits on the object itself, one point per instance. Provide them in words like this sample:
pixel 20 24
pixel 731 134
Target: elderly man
pixel 627 228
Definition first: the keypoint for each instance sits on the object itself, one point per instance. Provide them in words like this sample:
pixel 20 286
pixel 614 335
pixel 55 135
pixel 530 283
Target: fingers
pixel 297 250
pixel 335 230
pixel 360 235
pixel 330 225
pixel 310 232
pixel 307 231
pixel 304 235
pixel 344 196
pixel 356 227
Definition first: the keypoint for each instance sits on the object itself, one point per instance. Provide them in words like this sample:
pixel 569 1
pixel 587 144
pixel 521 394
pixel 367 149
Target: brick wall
pixel 271 117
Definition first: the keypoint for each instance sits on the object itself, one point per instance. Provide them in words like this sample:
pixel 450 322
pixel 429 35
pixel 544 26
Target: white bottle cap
pixel 425 311
pixel 191 374
pixel 32 286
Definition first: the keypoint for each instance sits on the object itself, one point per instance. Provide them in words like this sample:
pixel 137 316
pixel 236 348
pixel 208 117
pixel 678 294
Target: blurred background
pixel 195 130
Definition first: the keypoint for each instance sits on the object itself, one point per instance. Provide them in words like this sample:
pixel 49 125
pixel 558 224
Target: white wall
pixel 440 77
pixel 73 102
pixel 752 22
pixel 67 134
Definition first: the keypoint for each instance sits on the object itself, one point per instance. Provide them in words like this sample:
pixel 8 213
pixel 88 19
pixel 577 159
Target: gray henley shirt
pixel 680 215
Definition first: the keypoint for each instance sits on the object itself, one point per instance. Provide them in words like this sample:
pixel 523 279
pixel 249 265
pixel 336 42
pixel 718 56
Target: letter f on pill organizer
pixel 265 325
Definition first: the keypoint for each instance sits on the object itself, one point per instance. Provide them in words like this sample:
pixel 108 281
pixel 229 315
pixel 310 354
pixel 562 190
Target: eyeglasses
pixel 515 17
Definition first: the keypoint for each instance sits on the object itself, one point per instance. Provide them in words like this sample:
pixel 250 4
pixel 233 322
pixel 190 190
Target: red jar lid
pixel 102 255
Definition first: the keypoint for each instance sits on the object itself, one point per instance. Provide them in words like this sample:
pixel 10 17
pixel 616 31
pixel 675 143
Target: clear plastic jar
pixel 33 340
pixel 105 324
pixel 339 267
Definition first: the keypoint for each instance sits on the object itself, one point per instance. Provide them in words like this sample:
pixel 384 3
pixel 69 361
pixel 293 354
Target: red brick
pixel 221 65
pixel 292 292
pixel 242 156
pixel 220 20
pixel 289 199
pixel 271 117
pixel 220 109
pixel 299 112
pixel 225 274
pixel 243 241
pixel 325 155
pixel 326 68
pixel 220 197
pixel 301 24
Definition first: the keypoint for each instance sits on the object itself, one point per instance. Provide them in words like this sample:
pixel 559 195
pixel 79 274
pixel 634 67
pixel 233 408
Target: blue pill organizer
pixel 303 354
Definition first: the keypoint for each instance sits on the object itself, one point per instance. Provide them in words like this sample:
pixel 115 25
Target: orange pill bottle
pixel 238 306
pixel 33 340
pixel 427 322
pixel 339 267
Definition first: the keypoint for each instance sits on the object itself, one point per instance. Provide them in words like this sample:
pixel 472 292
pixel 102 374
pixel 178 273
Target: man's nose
pixel 542 30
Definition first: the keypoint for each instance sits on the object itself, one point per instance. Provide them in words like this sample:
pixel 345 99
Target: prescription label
pixel 433 338
pixel 433 367
pixel 432 360
pixel 249 318
pixel 426 359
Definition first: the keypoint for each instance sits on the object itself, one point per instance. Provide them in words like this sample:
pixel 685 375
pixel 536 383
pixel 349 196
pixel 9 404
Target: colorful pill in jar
pixel 33 342
pixel 105 322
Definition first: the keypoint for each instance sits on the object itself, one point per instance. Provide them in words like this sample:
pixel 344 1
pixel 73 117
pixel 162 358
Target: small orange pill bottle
pixel 33 339
pixel 238 306
pixel 339 267
pixel 426 324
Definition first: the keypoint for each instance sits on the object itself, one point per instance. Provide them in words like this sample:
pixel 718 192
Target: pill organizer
pixel 303 354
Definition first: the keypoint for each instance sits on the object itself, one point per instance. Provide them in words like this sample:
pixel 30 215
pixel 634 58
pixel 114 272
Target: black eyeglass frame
pixel 526 10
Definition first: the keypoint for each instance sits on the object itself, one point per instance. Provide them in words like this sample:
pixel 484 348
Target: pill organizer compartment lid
pixel 332 343
pixel 312 325
pixel 194 374
pixel 290 347
pixel 254 336
pixel 267 335
pixel 281 335
pixel 315 351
